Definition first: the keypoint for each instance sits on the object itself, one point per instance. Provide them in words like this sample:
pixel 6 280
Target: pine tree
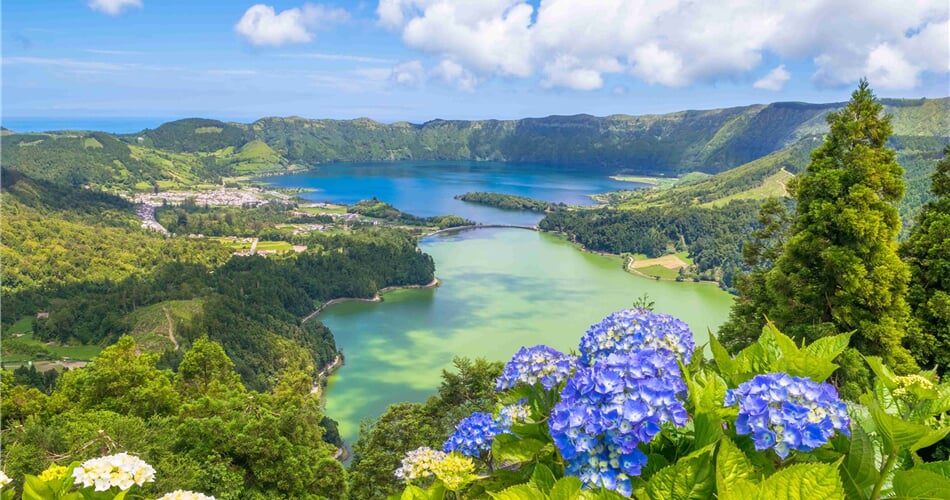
pixel 927 252
pixel 839 270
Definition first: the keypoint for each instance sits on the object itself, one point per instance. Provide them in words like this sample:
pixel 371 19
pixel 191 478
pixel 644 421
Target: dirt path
pixel 171 328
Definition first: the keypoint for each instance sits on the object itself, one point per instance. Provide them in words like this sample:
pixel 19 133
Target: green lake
pixel 501 289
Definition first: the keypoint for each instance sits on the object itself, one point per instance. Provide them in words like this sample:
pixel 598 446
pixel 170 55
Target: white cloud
pixel 409 73
pixel 262 25
pixel 773 80
pixel 677 43
pixel 454 74
pixel 113 7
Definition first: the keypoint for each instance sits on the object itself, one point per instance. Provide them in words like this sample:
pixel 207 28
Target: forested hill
pixel 196 149
pixel 707 141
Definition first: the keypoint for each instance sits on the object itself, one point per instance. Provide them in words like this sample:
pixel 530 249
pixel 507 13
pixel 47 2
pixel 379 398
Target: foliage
pixel 204 432
pixel 838 270
pixel 669 429
pixel 403 427
pixel 712 235
pixel 927 253
pixel 508 201
pixel 382 210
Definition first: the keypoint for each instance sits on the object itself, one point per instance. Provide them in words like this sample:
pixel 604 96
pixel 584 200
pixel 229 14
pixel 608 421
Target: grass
pixel 659 271
pixel 279 246
pixel 329 209
pixel 20 346
pixel 150 324
pixel 773 185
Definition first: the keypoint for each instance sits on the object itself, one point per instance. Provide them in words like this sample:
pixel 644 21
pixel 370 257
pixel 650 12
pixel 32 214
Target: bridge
pixel 480 226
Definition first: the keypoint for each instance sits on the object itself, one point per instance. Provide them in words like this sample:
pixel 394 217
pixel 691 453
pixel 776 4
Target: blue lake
pixel 428 188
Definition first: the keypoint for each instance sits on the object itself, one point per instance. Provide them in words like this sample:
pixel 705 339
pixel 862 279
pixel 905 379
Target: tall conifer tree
pixel 927 252
pixel 839 270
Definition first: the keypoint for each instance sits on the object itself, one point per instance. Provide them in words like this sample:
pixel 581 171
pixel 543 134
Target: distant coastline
pixel 377 298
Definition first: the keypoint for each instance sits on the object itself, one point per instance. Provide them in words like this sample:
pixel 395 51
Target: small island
pixel 509 201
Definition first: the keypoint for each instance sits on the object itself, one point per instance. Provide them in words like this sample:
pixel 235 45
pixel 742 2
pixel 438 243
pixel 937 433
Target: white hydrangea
pixel 121 470
pixel 186 495
pixel 4 480
pixel 419 463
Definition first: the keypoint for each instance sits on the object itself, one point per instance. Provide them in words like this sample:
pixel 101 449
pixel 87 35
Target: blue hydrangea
pixel 532 365
pixel 788 413
pixel 513 414
pixel 609 408
pixel 634 329
pixel 473 435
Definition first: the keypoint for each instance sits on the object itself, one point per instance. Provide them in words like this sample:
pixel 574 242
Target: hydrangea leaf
pixel 727 367
pixel 828 348
pixel 805 365
pixel 543 478
pixel 707 428
pixel 692 477
pixel 413 492
pixel 803 482
pixel 918 483
pixel 859 470
pixel 566 488
pixel 34 489
pixel 518 492
pixel 899 434
pixel 942 468
pixel 884 374
pixel 507 448
pixel 731 466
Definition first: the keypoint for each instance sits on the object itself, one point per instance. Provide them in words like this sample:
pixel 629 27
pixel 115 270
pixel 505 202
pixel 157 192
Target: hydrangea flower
pixel 4 480
pixel 473 435
pixel 53 472
pixel 635 329
pixel 454 470
pixel 185 495
pixel 788 413
pixel 419 463
pixel 513 414
pixel 609 408
pixel 531 365
pixel 120 470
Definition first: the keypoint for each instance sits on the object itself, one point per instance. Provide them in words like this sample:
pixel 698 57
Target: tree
pixel 927 252
pixel 206 370
pixel 839 270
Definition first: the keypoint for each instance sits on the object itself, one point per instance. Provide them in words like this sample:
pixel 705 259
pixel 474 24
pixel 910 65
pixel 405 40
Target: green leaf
pixel 723 360
pixel 692 477
pixel 859 470
pixel 35 489
pixel 566 488
pixel 828 348
pixel 518 492
pixel 509 449
pixel 413 492
pixel 942 468
pixel 899 434
pixel 707 427
pixel 731 464
pixel 543 478
pixel 915 483
pixel 803 482
pixel 884 374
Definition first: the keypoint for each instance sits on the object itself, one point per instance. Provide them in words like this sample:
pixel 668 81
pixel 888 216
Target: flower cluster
pixel 631 330
pixel 185 495
pixel 473 435
pixel 53 472
pixel 4 480
pixel 513 414
pixel 419 463
pixel 531 365
pixel 609 408
pixel 788 413
pixel 121 470
pixel 454 470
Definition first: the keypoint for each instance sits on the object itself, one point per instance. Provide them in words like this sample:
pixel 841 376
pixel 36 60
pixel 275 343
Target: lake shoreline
pixel 377 298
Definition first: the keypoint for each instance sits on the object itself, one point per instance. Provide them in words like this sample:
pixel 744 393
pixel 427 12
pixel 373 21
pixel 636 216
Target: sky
pixel 418 60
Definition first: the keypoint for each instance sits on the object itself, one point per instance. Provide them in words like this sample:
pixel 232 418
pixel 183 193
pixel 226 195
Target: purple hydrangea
pixel 788 413
pixel 473 435
pixel 532 365
pixel 635 329
pixel 609 408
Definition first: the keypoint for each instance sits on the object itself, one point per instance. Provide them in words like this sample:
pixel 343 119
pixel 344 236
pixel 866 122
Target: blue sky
pixel 423 59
